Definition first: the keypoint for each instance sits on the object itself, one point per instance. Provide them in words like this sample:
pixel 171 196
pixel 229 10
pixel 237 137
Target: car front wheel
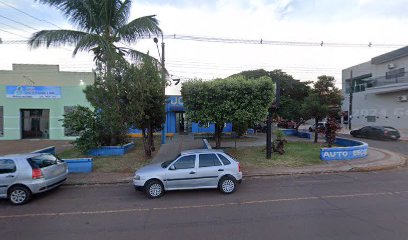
pixel 227 185
pixel 154 189
pixel 19 195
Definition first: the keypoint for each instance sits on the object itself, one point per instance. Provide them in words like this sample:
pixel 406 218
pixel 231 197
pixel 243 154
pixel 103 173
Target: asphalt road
pixel 393 146
pixel 332 206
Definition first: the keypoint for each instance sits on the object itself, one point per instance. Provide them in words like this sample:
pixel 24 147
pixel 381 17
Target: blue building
pixel 176 121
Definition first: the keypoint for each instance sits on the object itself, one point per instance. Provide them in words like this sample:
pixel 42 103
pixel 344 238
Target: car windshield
pixel 167 163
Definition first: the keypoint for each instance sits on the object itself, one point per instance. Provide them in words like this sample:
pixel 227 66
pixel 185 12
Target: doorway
pixel 35 123
pixel 182 125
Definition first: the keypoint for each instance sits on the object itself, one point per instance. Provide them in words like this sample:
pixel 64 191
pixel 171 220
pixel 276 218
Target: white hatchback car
pixel 193 169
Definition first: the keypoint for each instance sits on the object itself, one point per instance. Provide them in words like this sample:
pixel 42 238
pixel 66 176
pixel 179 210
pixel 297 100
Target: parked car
pixel 321 127
pixel 377 132
pixel 25 174
pixel 193 169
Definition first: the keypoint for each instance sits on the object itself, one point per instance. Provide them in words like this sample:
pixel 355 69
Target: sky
pixel 289 21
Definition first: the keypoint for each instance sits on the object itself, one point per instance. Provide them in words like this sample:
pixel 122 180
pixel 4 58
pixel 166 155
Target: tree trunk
pixel 316 130
pixel 218 133
pixel 151 138
pixel 146 145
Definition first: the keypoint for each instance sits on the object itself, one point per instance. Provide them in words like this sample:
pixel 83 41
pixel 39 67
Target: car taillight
pixel 385 132
pixel 37 174
pixel 239 167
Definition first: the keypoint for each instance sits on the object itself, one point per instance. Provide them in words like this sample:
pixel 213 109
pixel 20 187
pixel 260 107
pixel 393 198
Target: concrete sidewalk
pixel 378 159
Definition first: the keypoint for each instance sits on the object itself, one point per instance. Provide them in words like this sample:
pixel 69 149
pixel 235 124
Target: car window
pixel 390 129
pixel 224 160
pixel 43 161
pixel 208 160
pixel 7 166
pixel 185 162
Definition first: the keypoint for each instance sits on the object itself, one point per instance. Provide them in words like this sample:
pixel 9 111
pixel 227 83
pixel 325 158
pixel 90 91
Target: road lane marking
pixel 133 210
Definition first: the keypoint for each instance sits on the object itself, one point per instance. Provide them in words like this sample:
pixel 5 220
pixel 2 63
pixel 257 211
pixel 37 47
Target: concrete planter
pixel 79 165
pixel 293 132
pixel 111 150
pixel 352 149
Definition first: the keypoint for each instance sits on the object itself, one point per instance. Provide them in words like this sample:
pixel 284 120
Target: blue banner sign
pixel 47 92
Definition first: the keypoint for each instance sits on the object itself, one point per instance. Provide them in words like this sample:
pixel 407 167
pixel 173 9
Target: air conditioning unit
pixel 391 66
pixel 403 98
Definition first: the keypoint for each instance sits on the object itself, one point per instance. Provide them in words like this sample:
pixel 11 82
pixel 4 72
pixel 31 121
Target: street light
pixel 164 78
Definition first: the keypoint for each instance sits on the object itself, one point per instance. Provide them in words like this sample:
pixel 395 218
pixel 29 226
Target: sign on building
pixel 39 92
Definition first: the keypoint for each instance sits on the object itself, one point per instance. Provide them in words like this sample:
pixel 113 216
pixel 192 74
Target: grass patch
pixel 297 154
pixel 127 163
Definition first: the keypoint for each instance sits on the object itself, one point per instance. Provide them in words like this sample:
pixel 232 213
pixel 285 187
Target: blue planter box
pixel 50 150
pixel 293 132
pixel 79 165
pixel 352 149
pixel 111 150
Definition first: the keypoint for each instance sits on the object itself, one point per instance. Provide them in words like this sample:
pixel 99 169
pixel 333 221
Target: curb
pixel 402 163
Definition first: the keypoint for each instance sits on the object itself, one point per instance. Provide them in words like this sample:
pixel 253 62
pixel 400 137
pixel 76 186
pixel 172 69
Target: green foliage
pixel 293 93
pixel 239 127
pixel 324 96
pixel 227 100
pixel 145 98
pixel 88 125
pixel 101 26
pixel 279 134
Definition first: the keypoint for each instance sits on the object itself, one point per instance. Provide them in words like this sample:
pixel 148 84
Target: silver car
pixel 25 174
pixel 193 169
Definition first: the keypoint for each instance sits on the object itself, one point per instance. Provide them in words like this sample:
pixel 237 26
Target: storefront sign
pixel 48 92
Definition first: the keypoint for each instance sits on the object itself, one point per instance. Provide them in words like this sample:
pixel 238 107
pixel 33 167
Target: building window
pixel 395 73
pixel 1 122
pixel 68 132
pixel 371 118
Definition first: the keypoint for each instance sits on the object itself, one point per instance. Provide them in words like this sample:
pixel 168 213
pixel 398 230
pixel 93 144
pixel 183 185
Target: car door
pixel 182 173
pixel 209 169
pixel 8 174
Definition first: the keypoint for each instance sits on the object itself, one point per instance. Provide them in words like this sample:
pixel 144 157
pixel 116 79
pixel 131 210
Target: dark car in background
pixel 377 132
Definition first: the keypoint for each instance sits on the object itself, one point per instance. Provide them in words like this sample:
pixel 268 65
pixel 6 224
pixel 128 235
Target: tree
pixel 293 93
pixel 101 26
pixel 323 97
pixel 143 89
pixel 227 100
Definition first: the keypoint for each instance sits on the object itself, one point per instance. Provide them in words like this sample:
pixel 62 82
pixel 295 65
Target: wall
pixel 41 75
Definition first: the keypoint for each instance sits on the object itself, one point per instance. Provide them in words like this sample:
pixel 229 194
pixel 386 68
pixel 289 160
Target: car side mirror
pixel 172 167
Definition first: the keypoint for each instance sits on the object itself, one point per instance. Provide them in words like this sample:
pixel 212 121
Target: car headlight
pixel 136 177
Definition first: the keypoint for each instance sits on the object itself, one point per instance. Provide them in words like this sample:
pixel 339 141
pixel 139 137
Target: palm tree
pixel 101 24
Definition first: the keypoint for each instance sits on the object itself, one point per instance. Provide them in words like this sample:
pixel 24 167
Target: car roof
pixel 22 155
pixel 201 151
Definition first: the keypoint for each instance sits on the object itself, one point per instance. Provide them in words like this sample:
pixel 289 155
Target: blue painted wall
pixel 175 104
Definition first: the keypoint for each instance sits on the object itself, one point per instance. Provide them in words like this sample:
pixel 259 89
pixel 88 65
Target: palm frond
pixel 55 38
pixel 82 13
pixel 88 42
pixel 147 25
pixel 122 14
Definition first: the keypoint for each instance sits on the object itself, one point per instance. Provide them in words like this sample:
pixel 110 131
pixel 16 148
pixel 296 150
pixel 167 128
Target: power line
pixel 23 24
pixel 27 14
pixel 12 34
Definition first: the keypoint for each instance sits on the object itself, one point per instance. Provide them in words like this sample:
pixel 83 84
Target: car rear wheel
pixel 227 185
pixel 19 195
pixel 154 189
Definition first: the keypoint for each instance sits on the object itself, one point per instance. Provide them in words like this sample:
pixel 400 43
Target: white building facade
pixel 379 91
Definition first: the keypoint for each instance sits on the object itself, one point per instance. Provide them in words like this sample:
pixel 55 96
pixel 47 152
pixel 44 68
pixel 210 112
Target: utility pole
pixel 163 72
pixel 350 114
pixel 272 109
